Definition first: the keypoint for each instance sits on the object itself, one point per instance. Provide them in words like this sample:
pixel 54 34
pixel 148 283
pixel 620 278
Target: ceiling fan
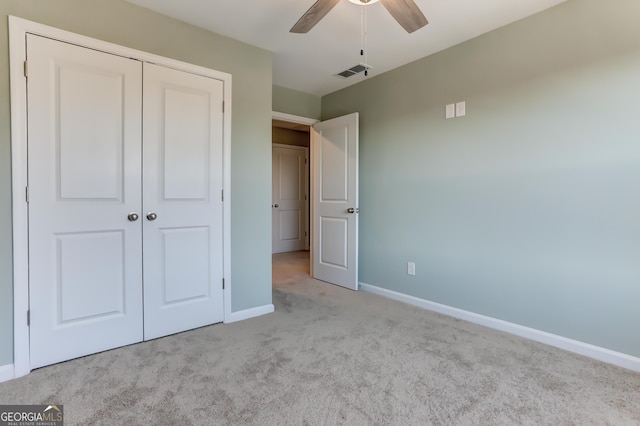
pixel 406 12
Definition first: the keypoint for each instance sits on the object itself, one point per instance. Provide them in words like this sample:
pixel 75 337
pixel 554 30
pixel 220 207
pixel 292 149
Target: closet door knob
pixel 152 216
pixel 133 217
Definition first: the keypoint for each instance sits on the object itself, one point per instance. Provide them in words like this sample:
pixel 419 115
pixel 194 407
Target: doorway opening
pixel 333 198
pixel 291 197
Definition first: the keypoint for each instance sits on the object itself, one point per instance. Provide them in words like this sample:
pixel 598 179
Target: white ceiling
pixel 309 62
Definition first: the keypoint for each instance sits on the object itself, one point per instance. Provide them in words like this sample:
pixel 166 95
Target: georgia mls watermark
pixel 31 415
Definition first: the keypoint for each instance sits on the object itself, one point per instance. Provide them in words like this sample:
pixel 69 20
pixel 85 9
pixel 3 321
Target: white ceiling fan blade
pixel 313 16
pixel 407 13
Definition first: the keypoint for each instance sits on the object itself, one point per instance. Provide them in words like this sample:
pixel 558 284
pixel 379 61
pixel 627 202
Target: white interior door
pixel 290 198
pixel 84 151
pixel 183 182
pixel 335 201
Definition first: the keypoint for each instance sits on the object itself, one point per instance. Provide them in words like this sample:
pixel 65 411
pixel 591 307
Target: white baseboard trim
pixel 601 354
pixel 250 313
pixel 7 372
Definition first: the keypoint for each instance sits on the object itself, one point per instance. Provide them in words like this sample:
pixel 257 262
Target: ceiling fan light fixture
pixel 363 2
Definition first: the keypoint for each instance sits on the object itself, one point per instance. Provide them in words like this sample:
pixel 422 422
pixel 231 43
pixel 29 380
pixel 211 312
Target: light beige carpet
pixel 332 356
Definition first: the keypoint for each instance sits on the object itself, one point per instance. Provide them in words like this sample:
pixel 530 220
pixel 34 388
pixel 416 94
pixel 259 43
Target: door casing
pixel 18 29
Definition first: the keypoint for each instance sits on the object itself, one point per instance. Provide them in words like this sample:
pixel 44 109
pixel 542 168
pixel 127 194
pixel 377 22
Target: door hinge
pixel 222 195
pixel 26 194
pixel 26 69
pixel 223 107
pixel 305 161
pixel 305 198
pixel 28 317
pixel 223 283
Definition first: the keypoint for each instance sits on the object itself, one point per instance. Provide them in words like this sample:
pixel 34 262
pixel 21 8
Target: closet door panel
pixel 84 153
pixel 182 177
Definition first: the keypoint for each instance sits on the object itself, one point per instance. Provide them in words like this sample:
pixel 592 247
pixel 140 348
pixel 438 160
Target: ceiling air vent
pixel 354 70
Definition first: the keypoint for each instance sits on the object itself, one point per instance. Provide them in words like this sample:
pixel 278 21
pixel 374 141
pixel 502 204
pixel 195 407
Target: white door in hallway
pixel 182 203
pixel 84 151
pixel 289 198
pixel 335 201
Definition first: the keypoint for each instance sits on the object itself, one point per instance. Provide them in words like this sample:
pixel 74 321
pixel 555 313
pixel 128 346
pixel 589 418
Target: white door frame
pixel 18 28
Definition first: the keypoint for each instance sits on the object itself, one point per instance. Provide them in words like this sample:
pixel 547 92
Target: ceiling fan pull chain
pixel 362 31
pixel 364 26
pixel 366 47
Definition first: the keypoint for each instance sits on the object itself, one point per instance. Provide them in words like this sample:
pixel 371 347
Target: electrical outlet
pixel 411 268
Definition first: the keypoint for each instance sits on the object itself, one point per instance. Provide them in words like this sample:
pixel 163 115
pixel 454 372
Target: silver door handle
pixel 351 210
pixel 276 205
pixel 133 217
pixel 152 216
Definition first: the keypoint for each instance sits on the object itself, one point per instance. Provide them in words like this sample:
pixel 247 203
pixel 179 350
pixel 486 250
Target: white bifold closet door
pixel 125 231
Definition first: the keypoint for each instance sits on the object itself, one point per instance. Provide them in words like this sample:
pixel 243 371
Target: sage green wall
pixel 122 23
pixel 295 102
pixel 528 208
